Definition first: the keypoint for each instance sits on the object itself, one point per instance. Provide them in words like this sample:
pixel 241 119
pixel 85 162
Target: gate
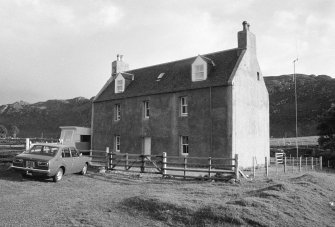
pixel 135 162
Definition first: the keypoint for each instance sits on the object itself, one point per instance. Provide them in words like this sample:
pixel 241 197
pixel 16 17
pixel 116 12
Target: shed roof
pixel 177 76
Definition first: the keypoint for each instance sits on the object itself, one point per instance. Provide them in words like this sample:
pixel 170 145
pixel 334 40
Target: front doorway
pixel 147 145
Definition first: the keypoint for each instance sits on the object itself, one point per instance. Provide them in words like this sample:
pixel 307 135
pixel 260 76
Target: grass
pixel 127 199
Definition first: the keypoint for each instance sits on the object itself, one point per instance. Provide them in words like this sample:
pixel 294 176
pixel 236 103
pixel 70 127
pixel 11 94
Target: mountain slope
pixel 44 118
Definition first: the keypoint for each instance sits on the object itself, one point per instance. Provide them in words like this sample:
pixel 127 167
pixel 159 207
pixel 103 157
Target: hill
pixel 44 118
pixel 315 95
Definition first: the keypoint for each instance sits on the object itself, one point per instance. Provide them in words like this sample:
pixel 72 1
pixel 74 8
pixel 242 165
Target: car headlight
pixel 45 164
pixel 18 160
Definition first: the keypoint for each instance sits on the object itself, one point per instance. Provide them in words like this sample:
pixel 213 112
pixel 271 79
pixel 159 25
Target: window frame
pixel 117 143
pixel 117 112
pixel 146 109
pixel 184 144
pixel 66 150
pixel 119 85
pixel 74 152
pixel 198 71
pixel 183 106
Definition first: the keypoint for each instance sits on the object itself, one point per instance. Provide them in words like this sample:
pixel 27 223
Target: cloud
pixel 109 15
pixel 71 43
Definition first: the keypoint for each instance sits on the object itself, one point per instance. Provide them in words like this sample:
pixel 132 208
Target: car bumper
pixel 31 170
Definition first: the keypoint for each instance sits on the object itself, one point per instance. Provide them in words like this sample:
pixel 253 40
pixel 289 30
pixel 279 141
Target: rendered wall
pixel 250 112
pixel 206 124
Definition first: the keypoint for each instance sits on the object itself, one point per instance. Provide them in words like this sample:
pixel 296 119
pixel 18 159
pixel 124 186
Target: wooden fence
pixel 168 166
pixel 7 155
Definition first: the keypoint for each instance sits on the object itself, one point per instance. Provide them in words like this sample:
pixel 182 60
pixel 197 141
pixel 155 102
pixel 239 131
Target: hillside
pixel 44 118
pixel 315 95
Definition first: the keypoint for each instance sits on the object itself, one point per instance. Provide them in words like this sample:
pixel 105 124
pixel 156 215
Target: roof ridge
pixel 181 60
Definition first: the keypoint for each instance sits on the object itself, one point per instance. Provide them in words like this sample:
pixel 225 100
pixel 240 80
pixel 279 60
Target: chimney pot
pixel 245 26
pixel 118 57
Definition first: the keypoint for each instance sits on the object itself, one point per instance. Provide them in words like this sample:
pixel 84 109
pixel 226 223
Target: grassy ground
pixel 124 199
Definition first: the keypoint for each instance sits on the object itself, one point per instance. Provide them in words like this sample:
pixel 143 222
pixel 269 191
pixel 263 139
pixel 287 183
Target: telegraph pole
pixel 296 107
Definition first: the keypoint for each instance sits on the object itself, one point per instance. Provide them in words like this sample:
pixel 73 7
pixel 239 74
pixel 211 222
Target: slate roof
pixel 177 76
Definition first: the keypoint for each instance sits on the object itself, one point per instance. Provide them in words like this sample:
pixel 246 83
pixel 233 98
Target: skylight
pixel 160 76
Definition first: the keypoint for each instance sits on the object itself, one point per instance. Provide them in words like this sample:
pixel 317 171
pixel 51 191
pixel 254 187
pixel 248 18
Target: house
pixel 213 105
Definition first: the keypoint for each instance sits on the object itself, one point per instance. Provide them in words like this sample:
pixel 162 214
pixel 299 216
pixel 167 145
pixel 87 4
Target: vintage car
pixel 51 161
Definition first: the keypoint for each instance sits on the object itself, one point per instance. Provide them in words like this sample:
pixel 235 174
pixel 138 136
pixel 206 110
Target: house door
pixel 147 145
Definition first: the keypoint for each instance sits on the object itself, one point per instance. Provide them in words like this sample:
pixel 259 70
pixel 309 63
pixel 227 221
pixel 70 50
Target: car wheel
pixel 84 170
pixel 59 175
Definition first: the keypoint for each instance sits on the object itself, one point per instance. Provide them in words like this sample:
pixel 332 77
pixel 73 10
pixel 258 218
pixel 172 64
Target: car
pixel 51 161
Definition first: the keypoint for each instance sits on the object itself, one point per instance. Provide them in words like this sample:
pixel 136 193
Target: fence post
pixel 292 164
pixel 320 163
pixel 111 159
pixel 107 158
pixel 27 143
pixel 185 166
pixel 143 164
pixel 236 167
pixel 253 166
pixel 312 164
pixel 266 166
pixel 209 166
pixel 300 164
pixel 306 163
pixel 164 163
pixel 285 164
pixel 276 167
pixel 126 163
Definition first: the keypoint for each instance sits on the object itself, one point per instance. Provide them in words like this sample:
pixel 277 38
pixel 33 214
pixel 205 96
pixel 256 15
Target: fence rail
pixel 176 166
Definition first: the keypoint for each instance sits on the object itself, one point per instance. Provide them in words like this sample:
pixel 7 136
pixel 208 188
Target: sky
pixel 61 49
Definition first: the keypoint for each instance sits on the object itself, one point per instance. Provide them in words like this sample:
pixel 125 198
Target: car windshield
pixel 42 150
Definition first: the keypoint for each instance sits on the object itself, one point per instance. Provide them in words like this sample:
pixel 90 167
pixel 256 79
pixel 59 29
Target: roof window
pixel 160 76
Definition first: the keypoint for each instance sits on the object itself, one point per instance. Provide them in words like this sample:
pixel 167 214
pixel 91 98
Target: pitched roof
pixel 177 76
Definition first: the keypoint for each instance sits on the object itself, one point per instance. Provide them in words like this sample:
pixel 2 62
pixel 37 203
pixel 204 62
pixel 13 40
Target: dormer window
pixel 199 72
pixel 199 69
pixel 119 84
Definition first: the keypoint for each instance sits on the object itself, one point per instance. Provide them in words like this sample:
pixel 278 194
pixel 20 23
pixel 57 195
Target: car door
pixel 67 160
pixel 78 162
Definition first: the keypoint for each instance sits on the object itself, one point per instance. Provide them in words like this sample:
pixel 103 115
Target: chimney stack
pixel 246 40
pixel 119 65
